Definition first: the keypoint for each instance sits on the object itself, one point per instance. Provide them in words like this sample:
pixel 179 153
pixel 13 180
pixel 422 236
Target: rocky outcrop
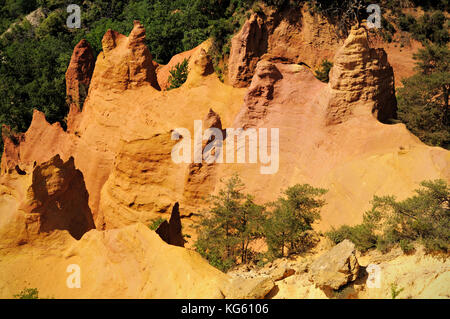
pixel 361 81
pixel 201 177
pixel 143 183
pixel 39 143
pixel 336 267
pixel 247 46
pixel 288 36
pixel 259 94
pixel 249 288
pixel 163 71
pixel 51 197
pixel 78 79
pixel 170 231
pixel 131 262
pixel 57 199
pixel 125 62
pixel 200 65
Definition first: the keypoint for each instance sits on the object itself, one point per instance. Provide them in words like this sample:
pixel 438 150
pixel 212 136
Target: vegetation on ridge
pixel 178 74
pixel 33 60
pixel 423 218
pixel 234 222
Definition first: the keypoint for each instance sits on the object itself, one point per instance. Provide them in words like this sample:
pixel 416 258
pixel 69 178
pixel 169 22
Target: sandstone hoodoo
pixel 124 191
pixel 78 79
pixel 361 82
pixel 51 197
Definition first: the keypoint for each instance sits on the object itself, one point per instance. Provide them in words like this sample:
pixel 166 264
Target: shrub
pixel 423 218
pixel 291 216
pixel 423 99
pixel 234 221
pixel 28 293
pixel 156 223
pixel 324 71
pixel 178 75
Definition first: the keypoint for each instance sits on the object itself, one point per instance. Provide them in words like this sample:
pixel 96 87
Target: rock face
pixel 336 267
pixel 131 262
pixel 163 71
pixel 361 81
pixel 40 143
pixel 122 145
pixel 170 231
pixel 259 94
pixel 292 36
pixel 141 185
pixel 78 79
pixel 57 199
pixel 247 47
pixel 249 288
pixel 125 62
pixel 52 197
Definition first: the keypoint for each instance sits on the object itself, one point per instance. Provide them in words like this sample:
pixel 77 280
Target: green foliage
pixel 28 293
pixel 234 221
pixel 423 100
pixel 423 218
pixel 33 61
pixel 291 216
pixel 178 74
pixel 361 235
pixel 324 71
pixel 156 223
pixel 395 291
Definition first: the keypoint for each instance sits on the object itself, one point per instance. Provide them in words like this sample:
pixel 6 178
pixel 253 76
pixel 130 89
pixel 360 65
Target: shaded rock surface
pixel 361 78
pixel 247 46
pixel 51 197
pixel 138 262
pixel 170 231
pixel 78 79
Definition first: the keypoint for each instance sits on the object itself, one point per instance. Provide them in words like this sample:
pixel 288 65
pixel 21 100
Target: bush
pixel 28 293
pixel 178 74
pixel 234 221
pixel 292 215
pixel 361 235
pixel 423 218
pixel 423 99
pixel 324 71
pixel 156 223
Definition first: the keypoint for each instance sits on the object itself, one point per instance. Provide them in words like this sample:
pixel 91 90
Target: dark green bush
pixel 28 293
pixel 423 218
pixel 156 223
pixel 178 75
pixel 324 71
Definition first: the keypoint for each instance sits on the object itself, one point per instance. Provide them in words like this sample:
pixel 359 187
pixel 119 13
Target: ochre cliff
pixel 113 169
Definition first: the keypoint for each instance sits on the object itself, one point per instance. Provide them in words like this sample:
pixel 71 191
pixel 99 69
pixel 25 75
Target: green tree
pixel 423 100
pixel 234 221
pixel 423 217
pixel 178 74
pixel 291 216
